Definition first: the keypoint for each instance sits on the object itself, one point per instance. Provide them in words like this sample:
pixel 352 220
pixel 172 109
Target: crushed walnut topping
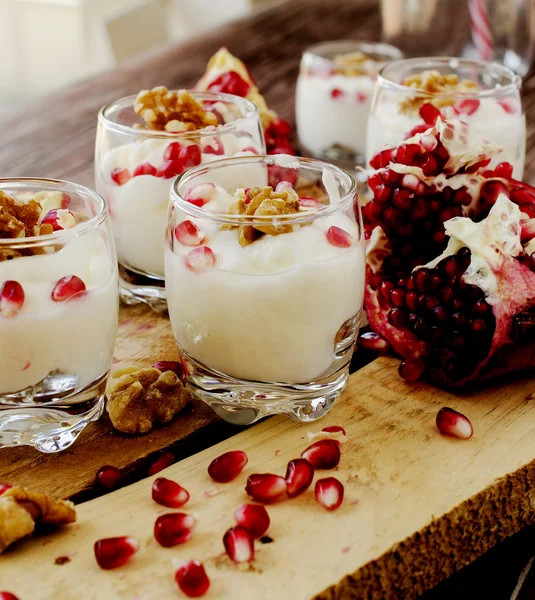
pixel 354 64
pixel 140 398
pixel 434 82
pixel 177 112
pixel 22 510
pixel 20 219
pixel 266 202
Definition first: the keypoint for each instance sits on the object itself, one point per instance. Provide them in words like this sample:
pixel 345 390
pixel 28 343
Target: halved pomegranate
pixel 450 275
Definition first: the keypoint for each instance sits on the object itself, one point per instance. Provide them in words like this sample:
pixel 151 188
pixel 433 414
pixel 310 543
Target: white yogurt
pixel 333 110
pixel 75 336
pixel 388 127
pixel 269 311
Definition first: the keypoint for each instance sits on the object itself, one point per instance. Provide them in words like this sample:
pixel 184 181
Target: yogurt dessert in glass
pixel 58 311
pixel 411 94
pixel 265 283
pixel 333 98
pixel 144 142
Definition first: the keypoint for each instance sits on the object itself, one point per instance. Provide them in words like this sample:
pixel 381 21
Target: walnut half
pixel 141 398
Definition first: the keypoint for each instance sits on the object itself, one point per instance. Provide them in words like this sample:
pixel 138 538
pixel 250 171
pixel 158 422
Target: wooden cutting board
pixel 418 505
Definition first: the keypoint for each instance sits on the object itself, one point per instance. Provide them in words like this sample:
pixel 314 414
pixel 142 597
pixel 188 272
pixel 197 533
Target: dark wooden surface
pixel 54 137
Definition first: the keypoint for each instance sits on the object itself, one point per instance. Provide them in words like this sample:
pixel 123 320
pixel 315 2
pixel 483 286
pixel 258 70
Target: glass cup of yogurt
pixel 411 94
pixel 58 311
pixel 333 98
pixel 134 167
pixel 264 269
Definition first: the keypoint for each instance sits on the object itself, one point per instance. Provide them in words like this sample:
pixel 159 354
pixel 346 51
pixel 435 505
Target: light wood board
pixel 418 505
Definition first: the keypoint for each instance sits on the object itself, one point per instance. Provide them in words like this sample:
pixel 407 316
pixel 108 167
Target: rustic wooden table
pixel 54 137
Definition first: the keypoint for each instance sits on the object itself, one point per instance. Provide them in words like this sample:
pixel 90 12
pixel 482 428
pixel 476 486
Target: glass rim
pixel 454 63
pixel 248 109
pixel 63 235
pixel 390 53
pixel 200 212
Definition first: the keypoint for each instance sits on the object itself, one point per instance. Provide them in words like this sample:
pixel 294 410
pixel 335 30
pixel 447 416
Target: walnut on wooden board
pixel 138 398
pixel 177 112
pixel 22 510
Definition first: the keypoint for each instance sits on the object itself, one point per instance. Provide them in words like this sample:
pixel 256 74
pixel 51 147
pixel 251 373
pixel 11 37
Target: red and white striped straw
pixel 481 28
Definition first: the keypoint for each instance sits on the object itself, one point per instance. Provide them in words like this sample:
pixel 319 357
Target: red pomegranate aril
pixel 373 341
pixel 114 552
pixel 67 288
pixel 54 217
pixel 109 477
pixel 121 176
pixel 4 486
pixel 8 596
pixel 228 466
pixel 453 423
pixel 382 194
pixel 334 429
pixel 299 476
pixel 383 158
pixel 385 289
pixel 411 369
pixel 430 166
pixel 428 142
pixel 407 154
pixel 336 93
pixel 170 365
pixel 254 518
pixel 200 259
pixel 169 169
pixel 397 297
pixel 411 298
pixel 169 493
pixel 393 216
pixel 338 237
pixel 265 487
pixel 230 83
pixel 509 105
pixel 216 147
pixel 166 459
pixel 188 234
pixel 239 545
pixel 492 189
pixel 324 454
pixel 429 113
pixel 172 152
pixel 466 106
pixel 11 299
pixel 190 156
pixel 403 199
pixel 410 181
pixel 375 180
pixel 504 169
pixel 390 176
pixel 480 308
pixel 201 194
pixel 192 579
pixel 422 128
pixel 478 325
pixel 172 529
pixel 462 197
pixel 420 210
pixel 522 196
pixel 144 169
pixel 329 493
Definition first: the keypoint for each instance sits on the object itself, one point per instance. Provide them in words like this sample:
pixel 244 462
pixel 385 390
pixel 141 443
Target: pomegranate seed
pixel 67 288
pixel 169 169
pixel 215 146
pixel 189 234
pixel 334 433
pixel 329 493
pixel 192 579
pixel 200 258
pixel 336 93
pixel 504 169
pixel 228 466
pixel 374 180
pixel 115 552
pixel 190 156
pixel 451 422
pixel 429 113
pixel 410 181
pixel 144 169
pixel 467 106
pixel 8 596
pixel 169 493
pixel 265 487
pixel 121 176
pixel 11 299
pixel 172 152
pixel 172 529
pixel 239 545
pixel 373 341
pixel 201 194
pixel 408 154
pixel 334 429
pixel 166 459
pixel 4 487
pixel 254 518
pixel 416 130
pixel 309 202
pixel 509 105
pixel 361 97
pixel 251 150
pixel 109 477
pixel 411 369
pixel 230 83
pixel 59 219
pixel 382 194
pixel 299 476
pixel 338 237
pixel 428 142
pixel 324 454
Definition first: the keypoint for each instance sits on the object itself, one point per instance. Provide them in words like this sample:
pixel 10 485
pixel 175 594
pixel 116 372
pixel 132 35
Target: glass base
pixel 137 288
pixel 243 402
pixel 32 418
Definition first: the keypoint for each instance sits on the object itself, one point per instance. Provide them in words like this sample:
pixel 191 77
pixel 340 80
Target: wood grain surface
pixel 417 505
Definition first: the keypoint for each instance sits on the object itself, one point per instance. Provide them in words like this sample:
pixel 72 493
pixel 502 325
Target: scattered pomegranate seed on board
pixel 329 493
pixel 239 545
pixel 11 299
pixel 172 529
pixel 299 476
pixel 254 518
pixel 192 579
pixel 8 596
pixel 109 477
pixel 228 466
pixel 170 365
pixel 334 429
pixel 115 552
pixel 411 369
pixel 68 287
pixel 453 423
pixel 165 460
pixel 265 487
pixel 324 454
pixel 4 487
pixel 169 493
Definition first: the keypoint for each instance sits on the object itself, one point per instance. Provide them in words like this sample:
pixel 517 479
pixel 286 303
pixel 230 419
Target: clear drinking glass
pixel 58 314
pixel 269 326
pixel 490 104
pixel 134 168
pixel 333 98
